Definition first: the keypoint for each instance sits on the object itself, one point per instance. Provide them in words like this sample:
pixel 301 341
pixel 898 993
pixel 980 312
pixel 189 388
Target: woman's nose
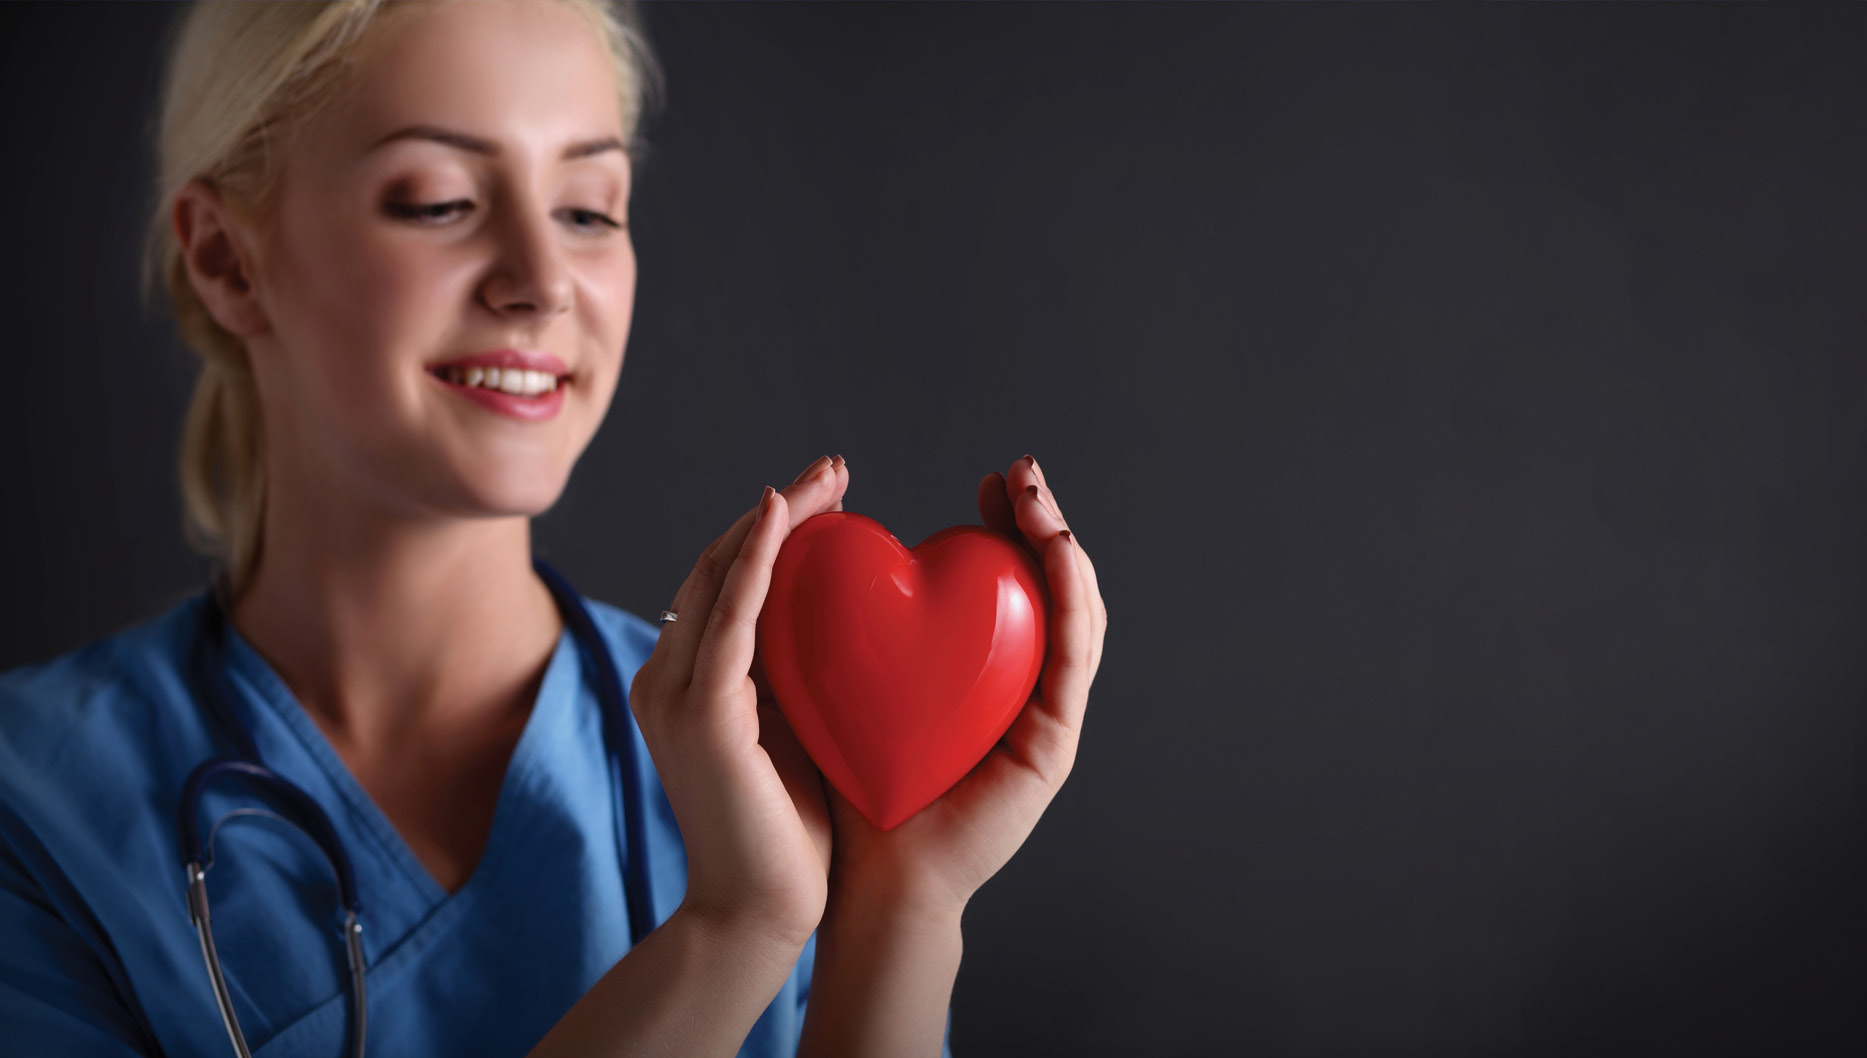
pixel 531 274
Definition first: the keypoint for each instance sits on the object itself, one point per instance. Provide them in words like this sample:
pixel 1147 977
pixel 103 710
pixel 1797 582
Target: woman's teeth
pixel 516 381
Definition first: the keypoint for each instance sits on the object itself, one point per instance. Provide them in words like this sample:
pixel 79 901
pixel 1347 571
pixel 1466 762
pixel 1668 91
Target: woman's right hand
pixel 748 801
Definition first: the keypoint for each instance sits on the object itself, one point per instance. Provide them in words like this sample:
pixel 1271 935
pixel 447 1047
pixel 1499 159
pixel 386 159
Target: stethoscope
pixel 208 660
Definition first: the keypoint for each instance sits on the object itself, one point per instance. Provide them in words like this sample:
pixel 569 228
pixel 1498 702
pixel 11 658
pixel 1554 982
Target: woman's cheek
pixel 350 297
pixel 607 310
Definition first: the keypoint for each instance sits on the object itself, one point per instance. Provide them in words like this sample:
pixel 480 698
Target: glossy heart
pixel 899 669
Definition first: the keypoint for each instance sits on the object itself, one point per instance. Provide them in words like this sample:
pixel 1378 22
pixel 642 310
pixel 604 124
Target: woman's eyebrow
pixel 467 142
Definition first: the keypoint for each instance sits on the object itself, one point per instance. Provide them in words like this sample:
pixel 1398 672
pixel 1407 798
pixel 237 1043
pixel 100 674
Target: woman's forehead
pixel 488 77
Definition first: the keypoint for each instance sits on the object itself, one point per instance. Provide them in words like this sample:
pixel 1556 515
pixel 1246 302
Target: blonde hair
pixel 238 78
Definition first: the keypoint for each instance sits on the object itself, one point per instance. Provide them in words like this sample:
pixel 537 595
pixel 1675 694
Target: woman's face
pixel 486 228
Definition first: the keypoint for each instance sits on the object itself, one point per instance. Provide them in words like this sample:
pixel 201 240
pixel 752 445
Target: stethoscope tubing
pixel 207 658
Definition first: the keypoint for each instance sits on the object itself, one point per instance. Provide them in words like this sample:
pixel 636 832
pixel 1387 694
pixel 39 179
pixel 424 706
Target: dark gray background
pixel 1464 407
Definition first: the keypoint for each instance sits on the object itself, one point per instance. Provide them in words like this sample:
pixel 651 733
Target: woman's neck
pixel 385 628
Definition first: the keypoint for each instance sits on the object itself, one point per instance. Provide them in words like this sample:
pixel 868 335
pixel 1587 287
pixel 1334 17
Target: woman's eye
pixel 426 212
pixel 587 220
pixel 593 221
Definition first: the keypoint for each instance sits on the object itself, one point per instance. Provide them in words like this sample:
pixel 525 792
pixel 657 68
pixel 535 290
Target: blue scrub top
pixel 98 955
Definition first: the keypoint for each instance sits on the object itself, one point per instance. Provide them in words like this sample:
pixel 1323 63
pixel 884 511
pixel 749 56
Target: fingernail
pixel 764 504
pixel 813 469
pixel 1030 461
pixel 1030 490
pixel 1067 538
pixel 840 461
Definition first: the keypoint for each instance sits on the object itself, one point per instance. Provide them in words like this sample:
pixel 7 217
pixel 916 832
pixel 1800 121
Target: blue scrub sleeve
pixel 56 997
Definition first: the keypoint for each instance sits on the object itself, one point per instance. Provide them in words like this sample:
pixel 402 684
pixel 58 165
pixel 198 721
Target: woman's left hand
pixel 938 859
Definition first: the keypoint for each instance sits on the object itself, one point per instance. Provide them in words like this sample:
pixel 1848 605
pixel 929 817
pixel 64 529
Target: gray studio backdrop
pixel 1464 406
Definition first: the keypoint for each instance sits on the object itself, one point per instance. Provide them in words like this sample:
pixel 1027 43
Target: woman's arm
pixel 692 987
pixel 883 977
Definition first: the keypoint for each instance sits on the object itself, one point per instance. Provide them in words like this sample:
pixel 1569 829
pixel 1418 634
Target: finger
pixel 1098 608
pixel 805 495
pixel 1031 461
pixel 680 639
pixel 723 661
pixel 995 505
pixel 1046 732
pixel 1035 519
pixel 797 771
pixel 816 467
pixel 1025 473
pixel 674 648
pixel 818 489
pixel 842 475
pixel 1039 520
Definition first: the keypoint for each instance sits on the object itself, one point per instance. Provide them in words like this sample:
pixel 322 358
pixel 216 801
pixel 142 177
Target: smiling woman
pixel 355 164
pixel 437 801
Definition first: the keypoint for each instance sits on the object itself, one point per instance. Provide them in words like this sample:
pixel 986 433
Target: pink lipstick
pixel 515 382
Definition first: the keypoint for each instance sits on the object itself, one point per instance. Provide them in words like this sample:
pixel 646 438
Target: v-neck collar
pixel 556 692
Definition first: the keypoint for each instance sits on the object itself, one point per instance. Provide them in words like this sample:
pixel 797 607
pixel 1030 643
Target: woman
pixel 395 235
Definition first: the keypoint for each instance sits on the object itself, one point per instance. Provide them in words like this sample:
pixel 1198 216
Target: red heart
pixel 900 669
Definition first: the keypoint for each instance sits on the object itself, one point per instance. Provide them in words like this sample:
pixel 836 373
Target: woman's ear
pixel 219 267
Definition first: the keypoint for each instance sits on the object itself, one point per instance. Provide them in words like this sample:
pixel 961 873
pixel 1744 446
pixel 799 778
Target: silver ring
pixel 667 616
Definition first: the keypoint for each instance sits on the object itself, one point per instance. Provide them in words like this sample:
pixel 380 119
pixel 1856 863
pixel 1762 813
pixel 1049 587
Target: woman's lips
pixel 525 359
pixel 531 409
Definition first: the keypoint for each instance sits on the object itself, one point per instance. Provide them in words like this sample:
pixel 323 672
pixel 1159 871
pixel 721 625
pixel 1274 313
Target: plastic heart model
pixel 899 670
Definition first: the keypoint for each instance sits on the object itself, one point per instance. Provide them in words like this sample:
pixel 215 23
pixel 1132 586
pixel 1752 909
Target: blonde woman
pixel 430 800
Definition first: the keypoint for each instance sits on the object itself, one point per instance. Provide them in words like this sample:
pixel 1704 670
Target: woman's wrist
pixel 694 986
pixel 897 901
pixel 886 962
pixel 757 932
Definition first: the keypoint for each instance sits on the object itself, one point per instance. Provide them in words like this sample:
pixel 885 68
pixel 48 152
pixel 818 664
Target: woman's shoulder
pixel 86 698
pixel 93 745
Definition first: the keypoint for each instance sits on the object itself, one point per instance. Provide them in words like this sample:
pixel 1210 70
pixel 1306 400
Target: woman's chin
pixel 514 494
